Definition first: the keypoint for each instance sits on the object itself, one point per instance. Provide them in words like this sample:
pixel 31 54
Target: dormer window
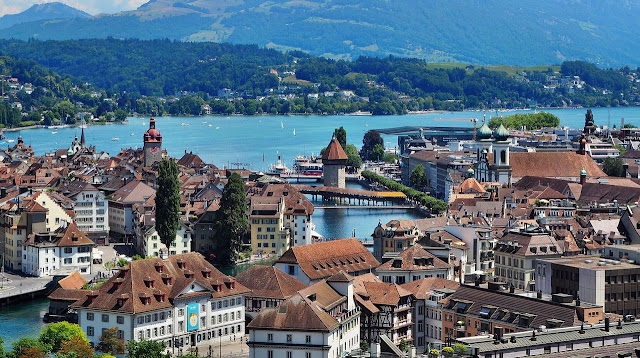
pixel 181 264
pixel 148 282
pixel 159 296
pixel 188 274
pixel 206 273
pixel 122 299
pixel 159 267
pixel 145 299
pixel 166 279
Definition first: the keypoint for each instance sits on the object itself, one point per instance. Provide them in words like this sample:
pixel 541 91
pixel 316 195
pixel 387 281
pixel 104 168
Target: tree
pixel 2 353
pixel 341 136
pixel 122 262
pixel 28 348
pixel 168 202
pixel 54 334
pixel 78 345
pixel 146 349
pixel 613 167
pixel 110 343
pixel 353 158
pixel 459 348
pixel 404 346
pixel 377 153
pixel 231 220
pixel 418 179
pixel 120 115
pixel 371 138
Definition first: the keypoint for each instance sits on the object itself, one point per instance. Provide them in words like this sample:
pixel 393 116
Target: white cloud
pixel 91 6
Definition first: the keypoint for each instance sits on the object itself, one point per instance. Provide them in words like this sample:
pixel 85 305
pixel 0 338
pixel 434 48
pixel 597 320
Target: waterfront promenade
pixel 13 287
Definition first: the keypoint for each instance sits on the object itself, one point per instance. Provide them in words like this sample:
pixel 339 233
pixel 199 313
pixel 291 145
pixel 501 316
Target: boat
pixel 10 140
pixel 54 132
pixel 115 138
pixel 217 127
pixel 132 134
pixel 294 132
pixel 210 125
pixel 184 124
pixel 282 124
pixel 279 168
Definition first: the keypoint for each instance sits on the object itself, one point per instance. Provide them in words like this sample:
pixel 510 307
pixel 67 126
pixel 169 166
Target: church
pixel 492 155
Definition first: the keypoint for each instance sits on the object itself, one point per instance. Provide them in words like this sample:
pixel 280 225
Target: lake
pixel 227 141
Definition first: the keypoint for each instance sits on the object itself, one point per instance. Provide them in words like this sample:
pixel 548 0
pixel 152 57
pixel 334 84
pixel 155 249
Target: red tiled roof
pixel 269 282
pixel 413 259
pixel 334 151
pixel 421 287
pixel 295 314
pixel 75 281
pixel 323 259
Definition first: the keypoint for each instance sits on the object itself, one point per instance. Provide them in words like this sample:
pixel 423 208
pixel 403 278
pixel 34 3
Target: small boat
pixel 217 127
pixel 10 140
pixel 184 124
pixel 54 132
pixel 294 132
pixel 282 124
pixel 115 138
pixel 205 122
pixel 210 125
pixel 132 134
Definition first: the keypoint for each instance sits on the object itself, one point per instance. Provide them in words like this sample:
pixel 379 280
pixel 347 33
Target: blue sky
pixel 91 6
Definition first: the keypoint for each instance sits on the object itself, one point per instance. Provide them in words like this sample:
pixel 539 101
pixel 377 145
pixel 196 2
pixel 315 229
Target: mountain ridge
pixel 42 12
pixel 527 32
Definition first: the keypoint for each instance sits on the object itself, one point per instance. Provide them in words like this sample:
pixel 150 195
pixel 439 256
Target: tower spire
pixel 83 142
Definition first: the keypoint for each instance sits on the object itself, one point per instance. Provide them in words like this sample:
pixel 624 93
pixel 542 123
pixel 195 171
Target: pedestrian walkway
pixel 225 349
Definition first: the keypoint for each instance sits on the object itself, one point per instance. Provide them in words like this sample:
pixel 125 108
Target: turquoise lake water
pixel 240 139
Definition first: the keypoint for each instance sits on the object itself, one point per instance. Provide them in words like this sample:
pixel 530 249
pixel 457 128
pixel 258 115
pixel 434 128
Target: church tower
pixel 334 161
pixel 501 167
pixel 483 148
pixel 152 144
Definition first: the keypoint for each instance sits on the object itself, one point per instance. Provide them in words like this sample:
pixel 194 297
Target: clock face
pixel 154 149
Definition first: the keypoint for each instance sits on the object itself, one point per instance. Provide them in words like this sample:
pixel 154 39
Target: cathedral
pixel 492 155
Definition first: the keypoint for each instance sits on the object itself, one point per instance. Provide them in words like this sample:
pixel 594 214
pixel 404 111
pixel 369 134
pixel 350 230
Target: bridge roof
pixel 346 192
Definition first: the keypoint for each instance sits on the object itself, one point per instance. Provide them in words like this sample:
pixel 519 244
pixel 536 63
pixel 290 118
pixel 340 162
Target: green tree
pixel 418 179
pixel 231 220
pixel 341 136
pixel 120 115
pixel 353 158
pixel 54 334
pixel 146 349
pixel 404 346
pixel 28 348
pixel 2 352
pixel 168 202
pixel 110 343
pixel 136 257
pixel 371 138
pixel 613 167
pixel 377 153
pixel 77 345
pixel 122 262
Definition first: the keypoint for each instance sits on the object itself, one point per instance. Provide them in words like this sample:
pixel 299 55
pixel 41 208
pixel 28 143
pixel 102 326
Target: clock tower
pixel 152 145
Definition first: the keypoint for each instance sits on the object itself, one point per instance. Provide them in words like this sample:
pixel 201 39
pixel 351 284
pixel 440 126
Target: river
pixel 240 139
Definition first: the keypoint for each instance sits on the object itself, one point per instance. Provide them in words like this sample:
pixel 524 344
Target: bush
pixel 447 351
pixel 459 348
pixel 436 206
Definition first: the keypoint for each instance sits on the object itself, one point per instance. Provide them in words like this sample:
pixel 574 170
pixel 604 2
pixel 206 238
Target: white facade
pixel 150 244
pixel 43 261
pixel 121 219
pixel 92 212
pixel 219 319
pixel 300 344
pixel 403 276
pixel 301 229
pixel 428 322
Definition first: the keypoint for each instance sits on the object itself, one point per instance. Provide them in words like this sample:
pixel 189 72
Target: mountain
pixel 40 12
pixel 523 32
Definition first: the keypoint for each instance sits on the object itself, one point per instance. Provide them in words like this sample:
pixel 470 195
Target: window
pixel 105 318
pixel 181 312
pixel 120 334
pixel 89 316
pixel 68 250
pixel 289 338
pixel 270 337
pixel 288 354
pixel 90 331
pixel 269 354
pixel 68 261
pixel 307 339
pixel 308 355
pixel 120 319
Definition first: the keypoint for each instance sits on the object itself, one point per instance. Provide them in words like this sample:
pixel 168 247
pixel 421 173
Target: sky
pixel 93 7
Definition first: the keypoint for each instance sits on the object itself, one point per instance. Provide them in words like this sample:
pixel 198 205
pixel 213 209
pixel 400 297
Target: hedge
pixel 435 206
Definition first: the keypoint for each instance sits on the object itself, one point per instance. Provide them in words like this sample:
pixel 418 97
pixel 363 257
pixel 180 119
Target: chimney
pixel 583 177
pixel 606 324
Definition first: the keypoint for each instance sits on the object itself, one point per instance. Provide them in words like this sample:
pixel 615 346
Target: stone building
pixel 334 161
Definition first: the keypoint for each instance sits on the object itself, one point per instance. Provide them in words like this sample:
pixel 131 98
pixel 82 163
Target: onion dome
pixel 502 133
pixel 583 172
pixel 470 171
pixel 484 132
pixel 152 134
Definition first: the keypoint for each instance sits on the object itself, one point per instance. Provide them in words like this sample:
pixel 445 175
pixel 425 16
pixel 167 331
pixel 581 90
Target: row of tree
pixel 529 120
pixel 434 205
